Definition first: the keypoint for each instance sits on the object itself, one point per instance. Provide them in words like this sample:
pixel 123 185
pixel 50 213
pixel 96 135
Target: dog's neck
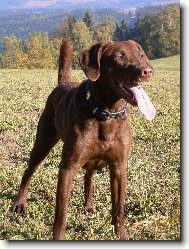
pixel 105 95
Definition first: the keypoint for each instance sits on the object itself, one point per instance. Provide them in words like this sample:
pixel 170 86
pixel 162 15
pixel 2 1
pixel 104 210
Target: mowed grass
pixel 152 204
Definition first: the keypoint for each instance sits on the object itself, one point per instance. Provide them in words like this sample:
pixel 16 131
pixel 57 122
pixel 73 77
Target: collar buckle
pixel 102 114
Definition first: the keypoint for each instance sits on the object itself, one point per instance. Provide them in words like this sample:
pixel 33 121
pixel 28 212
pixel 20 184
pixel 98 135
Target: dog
pixel 93 120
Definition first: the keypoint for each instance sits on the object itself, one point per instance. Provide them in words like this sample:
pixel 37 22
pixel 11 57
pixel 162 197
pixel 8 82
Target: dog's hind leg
pixel 91 166
pixel 46 138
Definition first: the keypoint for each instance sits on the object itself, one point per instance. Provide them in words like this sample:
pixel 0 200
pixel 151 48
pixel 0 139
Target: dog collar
pixel 100 112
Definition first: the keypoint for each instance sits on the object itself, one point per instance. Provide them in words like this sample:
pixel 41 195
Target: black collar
pixel 99 112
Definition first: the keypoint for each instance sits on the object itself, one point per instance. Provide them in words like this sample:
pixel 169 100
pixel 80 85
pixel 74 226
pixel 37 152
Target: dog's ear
pixel 89 60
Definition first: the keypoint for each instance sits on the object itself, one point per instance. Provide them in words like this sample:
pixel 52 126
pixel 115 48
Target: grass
pixel 169 63
pixel 152 204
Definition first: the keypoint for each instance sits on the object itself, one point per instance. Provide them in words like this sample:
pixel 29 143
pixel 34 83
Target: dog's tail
pixel 65 62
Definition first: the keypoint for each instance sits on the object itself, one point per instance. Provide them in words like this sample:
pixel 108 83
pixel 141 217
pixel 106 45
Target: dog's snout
pixel 147 73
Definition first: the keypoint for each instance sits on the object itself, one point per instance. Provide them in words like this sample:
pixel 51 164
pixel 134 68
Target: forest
pixel 157 31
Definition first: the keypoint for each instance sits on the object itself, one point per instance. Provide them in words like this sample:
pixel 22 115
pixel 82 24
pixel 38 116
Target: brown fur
pixel 88 141
pixel 65 62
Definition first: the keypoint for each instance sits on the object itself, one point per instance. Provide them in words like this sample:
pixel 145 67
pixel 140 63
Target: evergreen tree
pixel 159 32
pixel 122 31
pixel 88 19
pixel 65 29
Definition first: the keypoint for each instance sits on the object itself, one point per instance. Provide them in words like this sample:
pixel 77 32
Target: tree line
pixel 157 32
pixel 22 22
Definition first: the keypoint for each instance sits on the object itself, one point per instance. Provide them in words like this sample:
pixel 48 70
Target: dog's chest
pixel 102 139
pixel 109 132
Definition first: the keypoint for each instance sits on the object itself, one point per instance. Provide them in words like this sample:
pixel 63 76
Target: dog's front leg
pixel 88 188
pixel 64 186
pixel 118 185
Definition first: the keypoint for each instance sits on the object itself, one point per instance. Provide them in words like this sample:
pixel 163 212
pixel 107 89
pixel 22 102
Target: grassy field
pixel 152 204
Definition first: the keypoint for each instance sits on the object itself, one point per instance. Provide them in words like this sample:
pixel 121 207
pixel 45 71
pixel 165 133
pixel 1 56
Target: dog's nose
pixel 147 73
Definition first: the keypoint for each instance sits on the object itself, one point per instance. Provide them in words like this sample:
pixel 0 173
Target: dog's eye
pixel 141 55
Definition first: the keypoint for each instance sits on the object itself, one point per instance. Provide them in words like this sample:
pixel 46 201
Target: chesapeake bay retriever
pixel 92 118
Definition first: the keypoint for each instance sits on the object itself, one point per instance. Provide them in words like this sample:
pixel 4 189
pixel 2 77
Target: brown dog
pixel 93 120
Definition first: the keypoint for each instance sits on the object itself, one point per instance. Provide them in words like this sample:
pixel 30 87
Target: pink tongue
pixel 143 102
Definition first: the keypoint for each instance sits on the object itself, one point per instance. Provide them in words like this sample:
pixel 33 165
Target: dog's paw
pixel 19 207
pixel 123 235
pixel 126 236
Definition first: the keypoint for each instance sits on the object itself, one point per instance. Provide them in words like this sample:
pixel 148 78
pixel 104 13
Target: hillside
pixel 9 6
pixel 171 63
pixel 21 23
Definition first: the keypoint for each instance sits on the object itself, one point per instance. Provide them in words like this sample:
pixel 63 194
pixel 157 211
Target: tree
pixel 65 29
pixel 13 56
pixel 38 51
pixel 88 19
pixel 121 31
pixel 55 44
pixel 104 31
pixel 82 36
pixel 82 39
pixel 159 32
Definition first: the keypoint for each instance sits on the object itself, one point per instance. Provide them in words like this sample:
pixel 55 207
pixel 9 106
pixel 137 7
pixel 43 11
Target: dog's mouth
pixel 135 95
pixel 127 93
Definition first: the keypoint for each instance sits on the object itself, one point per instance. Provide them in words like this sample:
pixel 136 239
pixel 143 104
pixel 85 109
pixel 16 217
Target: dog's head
pixel 124 65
